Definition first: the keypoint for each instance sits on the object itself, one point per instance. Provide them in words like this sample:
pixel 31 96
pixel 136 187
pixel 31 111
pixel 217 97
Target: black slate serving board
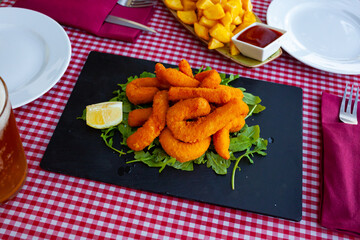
pixel 271 186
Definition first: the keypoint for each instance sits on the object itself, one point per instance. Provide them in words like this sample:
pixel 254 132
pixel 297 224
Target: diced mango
pixel 203 4
pixel 214 12
pixel 226 20
pixel 188 5
pixel 215 21
pixel 174 4
pixel 237 20
pixel 188 17
pixel 240 1
pixel 233 7
pixel 223 2
pixel 200 13
pixel 239 28
pixel 241 14
pixel 220 33
pixel 249 17
pixel 233 4
pixel 246 5
pixel 207 22
pixel 201 31
pixel 213 44
pixel 233 49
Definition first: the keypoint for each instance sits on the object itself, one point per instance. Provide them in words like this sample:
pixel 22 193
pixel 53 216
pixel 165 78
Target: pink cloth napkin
pixel 340 204
pixel 89 15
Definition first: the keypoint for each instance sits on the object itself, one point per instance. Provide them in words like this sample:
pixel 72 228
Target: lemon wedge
pixel 104 115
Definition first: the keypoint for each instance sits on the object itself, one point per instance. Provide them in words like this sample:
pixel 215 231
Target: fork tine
pixel 356 102
pixel 342 108
pixel 348 108
pixel 346 116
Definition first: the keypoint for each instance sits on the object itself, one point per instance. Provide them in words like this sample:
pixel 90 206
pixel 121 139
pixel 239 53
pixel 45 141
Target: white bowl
pixel 255 52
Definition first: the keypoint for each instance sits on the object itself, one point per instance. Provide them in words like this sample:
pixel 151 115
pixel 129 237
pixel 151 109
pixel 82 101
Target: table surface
pixel 54 205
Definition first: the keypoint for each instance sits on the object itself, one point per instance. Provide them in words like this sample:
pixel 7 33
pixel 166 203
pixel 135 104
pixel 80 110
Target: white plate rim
pixel 275 18
pixel 58 52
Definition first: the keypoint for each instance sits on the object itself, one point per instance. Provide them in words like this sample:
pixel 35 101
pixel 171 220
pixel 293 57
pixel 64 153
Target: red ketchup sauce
pixel 259 36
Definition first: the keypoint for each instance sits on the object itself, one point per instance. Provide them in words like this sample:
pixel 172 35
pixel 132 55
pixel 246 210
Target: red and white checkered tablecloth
pixel 55 206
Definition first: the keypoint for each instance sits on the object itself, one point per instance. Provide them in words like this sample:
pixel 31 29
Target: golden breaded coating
pixel 142 90
pixel 139 116
pixel 159 68
pixel 181 151
pixel 221 138
pixel 234 92
pixel 209 79
pixel 185 68
pixel 221 141
pixel 218 96
pixel 152 128
pixel 200 128
pixel 174 77
pixel 201 75
pixel 202 108
pixel 190 109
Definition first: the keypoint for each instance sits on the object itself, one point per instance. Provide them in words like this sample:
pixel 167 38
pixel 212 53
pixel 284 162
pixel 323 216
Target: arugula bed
pixel 243 144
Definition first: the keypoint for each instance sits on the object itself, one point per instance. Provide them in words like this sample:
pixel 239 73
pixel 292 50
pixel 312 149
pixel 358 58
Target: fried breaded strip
pixel 139 116
pixel 183 152
pixel 208 79
pixel 174 77
pixel 189 109
pixel 234 92
pixel 151 129
pixel 218 96
pixel 159 68
pixel 142 90
pixel 192 131
pixel 221 138
pixel 185 68
pixel 201 75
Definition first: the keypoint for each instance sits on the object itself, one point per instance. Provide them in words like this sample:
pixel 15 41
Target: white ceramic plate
pixel 34 53
pixel 324 34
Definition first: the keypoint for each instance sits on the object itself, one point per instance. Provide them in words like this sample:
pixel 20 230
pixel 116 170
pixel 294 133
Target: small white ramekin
pixel 256 52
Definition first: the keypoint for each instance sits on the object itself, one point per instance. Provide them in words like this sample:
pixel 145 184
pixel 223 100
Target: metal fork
pixel 136 3
pixel 347 116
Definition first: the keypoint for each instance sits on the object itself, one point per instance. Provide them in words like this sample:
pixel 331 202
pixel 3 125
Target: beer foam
pixel 5 109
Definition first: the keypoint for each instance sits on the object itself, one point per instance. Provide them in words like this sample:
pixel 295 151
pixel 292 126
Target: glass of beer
pixel 13 165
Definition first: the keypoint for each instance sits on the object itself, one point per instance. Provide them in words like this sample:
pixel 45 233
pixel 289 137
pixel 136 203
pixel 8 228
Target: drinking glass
pixel 13 165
